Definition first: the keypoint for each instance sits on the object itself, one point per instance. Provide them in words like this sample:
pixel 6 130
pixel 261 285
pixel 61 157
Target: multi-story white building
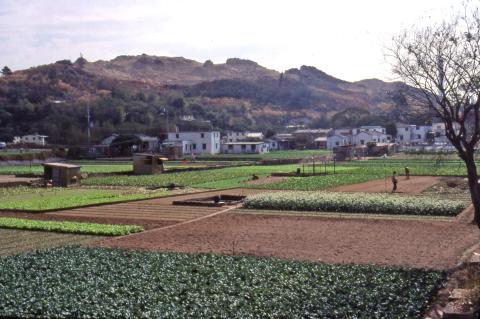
pixel 365 137
pixel 195 142
pixel 413 134
pixel 244 136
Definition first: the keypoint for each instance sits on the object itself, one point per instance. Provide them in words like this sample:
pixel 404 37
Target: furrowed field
pixel 87 283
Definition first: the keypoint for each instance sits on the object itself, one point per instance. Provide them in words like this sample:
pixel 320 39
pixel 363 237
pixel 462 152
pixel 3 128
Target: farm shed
pixel 146 164
pixel 61 174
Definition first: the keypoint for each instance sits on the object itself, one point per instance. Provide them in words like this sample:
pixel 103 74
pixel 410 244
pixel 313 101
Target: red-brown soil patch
pixel 431 244
pixel 414 185
pixel 266 180
pixel 151 213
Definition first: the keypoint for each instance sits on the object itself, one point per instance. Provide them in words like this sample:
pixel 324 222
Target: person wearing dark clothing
pixel 407 172
pixel 394 181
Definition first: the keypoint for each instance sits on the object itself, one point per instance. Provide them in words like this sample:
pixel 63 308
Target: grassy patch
pixel 69 227
pixel 94 283
pixel 355 203
pixel 39 199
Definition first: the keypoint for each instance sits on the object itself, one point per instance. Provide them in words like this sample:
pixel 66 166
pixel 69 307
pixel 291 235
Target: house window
pixel 204 146
pixel 362 142
pixel 337 143
pixel 177 135
pixel 230 147
pixel 417 128
pixel 253 147
pixel 401 137
pixel 194 146
pixel 186 148
pixel 419 136
pixel 244 147
pixel 216 145
pixel 202 135
pixel 406 129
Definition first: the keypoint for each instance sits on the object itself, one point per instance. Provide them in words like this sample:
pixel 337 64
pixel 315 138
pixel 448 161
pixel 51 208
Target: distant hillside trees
pixel 6 71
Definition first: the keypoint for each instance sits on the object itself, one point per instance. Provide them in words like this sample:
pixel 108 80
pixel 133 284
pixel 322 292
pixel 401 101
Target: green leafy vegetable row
pixel 78 282
pixel 69 227
pixel 355 203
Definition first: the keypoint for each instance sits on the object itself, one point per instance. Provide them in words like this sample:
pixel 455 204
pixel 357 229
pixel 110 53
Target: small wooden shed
pixel 61 174
pixel 147 164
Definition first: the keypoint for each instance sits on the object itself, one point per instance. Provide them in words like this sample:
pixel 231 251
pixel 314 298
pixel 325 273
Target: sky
pixel 345 38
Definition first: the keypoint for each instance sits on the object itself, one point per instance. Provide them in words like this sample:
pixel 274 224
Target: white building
pixel 338 140
pixel 196 142
pixel 245 147
pixel 365 137
pixel 369 128
pixel 244 136
pixel 413 134
pixel 36 139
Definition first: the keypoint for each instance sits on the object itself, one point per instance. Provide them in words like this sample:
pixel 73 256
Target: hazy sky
pixel 345 38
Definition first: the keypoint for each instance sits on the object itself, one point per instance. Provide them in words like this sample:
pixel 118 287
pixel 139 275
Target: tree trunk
pixel 474 189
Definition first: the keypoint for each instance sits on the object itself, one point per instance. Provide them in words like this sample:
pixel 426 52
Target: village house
pixel 36 139
pixel 408 134
pixel 285 141
pixel 244 136
pixel 245 147
pixel 193 142
pixel 305 138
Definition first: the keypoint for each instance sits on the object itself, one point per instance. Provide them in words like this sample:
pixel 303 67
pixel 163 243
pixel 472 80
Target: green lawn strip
pixel 42 199
pixel 74 282
pixel 354 203
pixel 293 154
pixel 69 227
pixel 85 168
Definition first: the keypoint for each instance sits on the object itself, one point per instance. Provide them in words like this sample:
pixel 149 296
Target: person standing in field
pixel 394 181
pixel 407 172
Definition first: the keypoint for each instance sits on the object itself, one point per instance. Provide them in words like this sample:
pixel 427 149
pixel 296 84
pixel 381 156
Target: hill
pixel 135 94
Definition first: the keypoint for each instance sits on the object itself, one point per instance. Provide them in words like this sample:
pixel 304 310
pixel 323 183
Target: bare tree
pixel 442 61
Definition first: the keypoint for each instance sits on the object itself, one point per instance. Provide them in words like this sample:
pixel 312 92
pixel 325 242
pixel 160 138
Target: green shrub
pixel 69 227
pixel 77 282
pixel 355 203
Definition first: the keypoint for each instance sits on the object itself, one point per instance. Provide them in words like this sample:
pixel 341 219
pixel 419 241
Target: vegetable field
pixel 355 203
pixel 38 199
pixel 69 227
pixel 94 283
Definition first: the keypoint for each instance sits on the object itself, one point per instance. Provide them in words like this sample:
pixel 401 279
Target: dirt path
pixel 431 244
pixel 414 185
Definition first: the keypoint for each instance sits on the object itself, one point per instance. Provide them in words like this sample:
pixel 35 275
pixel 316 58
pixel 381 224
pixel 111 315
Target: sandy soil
pixel 431 244
pixel 414 185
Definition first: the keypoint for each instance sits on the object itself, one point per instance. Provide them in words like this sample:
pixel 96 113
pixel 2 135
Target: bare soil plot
pixel 266 180
pixel 151 213
pixel 18 241
pixel 431 244
pixel 414 185
pixel 12 180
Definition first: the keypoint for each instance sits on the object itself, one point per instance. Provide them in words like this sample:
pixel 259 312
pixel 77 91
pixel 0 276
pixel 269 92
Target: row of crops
pixel 76 282
pixel 69 227
pixel 354 203
pixel 37 199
